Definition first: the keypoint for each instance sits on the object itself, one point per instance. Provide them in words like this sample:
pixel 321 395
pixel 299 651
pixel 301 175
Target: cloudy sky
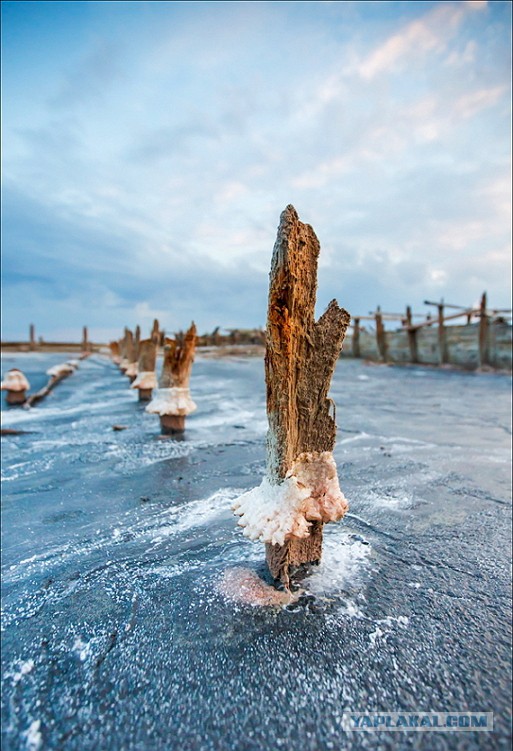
pixel 149 148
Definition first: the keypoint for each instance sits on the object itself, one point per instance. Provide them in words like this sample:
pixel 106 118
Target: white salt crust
pixel 14 380
pixel 59 370
pixel 146 379
pixel 131 370
pixel 173 401
pixel 124 363
pixel 310 492
pixel 116 359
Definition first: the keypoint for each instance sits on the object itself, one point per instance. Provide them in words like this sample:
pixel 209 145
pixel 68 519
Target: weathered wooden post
pixel 356 337
pixel 32 337
pixel 381 339
pixel 412 336
pixel 115 352
pixel 484 355
pixel 146 379
pixel 16 385
pixel 126 347
pixel 173 399
pixel 300 492
pixel 130 363
pixel 443 355
pixel 155 332
pixel 85 340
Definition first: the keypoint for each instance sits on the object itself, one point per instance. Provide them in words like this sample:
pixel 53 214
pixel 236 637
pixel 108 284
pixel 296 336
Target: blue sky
pixel 149 148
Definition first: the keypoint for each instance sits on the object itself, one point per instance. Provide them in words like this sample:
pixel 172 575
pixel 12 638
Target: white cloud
pixel 430 33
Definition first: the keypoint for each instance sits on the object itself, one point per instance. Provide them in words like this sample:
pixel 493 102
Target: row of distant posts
pixel 412 328
pixel 33 345
pixel 169 396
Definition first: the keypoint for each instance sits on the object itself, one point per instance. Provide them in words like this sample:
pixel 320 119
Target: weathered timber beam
pixel 300 492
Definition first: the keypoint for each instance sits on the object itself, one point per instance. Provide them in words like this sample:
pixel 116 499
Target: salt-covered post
pixel 173 402
pixel 146 379
pixel 126 348
pixel 483 333
pixel 300 492
pixel 115 352
pixel 131 356
pixel 16 385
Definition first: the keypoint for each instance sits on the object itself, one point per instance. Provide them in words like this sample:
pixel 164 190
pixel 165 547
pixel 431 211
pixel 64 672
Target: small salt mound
pixel 310 492
pixel 14 380
pixel 60 370
pixel 146 379
pixel 245 586
pixel 131 370
pixel 173 401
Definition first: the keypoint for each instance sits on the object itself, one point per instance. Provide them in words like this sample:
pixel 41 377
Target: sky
pixel 150 147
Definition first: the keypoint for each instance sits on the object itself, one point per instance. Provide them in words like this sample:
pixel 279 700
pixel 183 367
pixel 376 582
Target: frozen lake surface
pixel 115 635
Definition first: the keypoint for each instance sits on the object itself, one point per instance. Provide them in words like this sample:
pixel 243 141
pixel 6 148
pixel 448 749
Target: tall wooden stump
pixel 173 402
pixel 146 379
pixel 32 337
pixel 300 492
pixel 132 357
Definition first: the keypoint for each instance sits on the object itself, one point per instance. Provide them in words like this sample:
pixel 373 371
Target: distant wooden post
pixel 443 355
pixel 155 332
pixel 127 349
pixel 356 337
pixel 32 337
pixel 85 340
pixel 115 352
pixel 173 402
pixel 146 379
pixel 484 354
pixel 301 491
pixel 132 357
pixel 412 337
pixel 137 340
pixel 381 339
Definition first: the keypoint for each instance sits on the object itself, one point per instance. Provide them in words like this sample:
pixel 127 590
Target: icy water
pixel 115 634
